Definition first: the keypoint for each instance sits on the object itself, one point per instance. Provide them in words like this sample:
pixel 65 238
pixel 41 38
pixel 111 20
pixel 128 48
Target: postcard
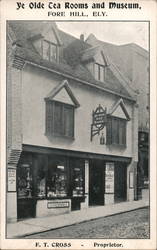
pixel 78 124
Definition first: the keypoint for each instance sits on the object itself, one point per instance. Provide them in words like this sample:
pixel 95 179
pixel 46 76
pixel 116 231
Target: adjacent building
pixel 72 124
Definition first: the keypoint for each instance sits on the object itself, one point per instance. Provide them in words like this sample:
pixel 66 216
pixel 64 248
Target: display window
pixel 24 178
pixel 77 177
pixel 43 176
pixel 40 172
pixel 57 178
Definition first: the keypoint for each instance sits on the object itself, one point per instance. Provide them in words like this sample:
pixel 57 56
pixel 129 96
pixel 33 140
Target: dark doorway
pixel 120 182
pixel 96 182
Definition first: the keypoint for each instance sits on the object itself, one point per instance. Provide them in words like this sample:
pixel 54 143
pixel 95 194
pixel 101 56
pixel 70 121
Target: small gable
pixel 51 34
pixel 51 37
pixel 63 93
pixel 119 110
pixel 63 96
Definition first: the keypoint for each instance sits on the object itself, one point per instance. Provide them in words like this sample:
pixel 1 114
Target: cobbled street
pixel 129 225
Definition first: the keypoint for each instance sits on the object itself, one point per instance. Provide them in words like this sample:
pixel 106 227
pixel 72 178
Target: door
pixel 120 182
pixel 96 183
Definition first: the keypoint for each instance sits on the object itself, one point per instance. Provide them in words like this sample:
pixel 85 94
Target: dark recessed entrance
pixel 120 186
pixel 96 182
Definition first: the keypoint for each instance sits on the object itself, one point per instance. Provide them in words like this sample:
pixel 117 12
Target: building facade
pixel 72 124
pixel 132 62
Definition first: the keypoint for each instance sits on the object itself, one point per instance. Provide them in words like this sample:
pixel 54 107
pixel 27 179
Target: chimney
pixel 82 37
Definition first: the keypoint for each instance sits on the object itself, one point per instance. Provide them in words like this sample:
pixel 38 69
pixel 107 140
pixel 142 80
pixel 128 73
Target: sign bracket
pixel 99 119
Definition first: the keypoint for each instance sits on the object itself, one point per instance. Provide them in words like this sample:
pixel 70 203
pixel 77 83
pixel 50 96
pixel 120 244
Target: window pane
pixel 96 72
pixel 77 177
pixel 57 178
pixel 109 131
pixel 115 131
pixel 58 118
pixel 53 52
pixel 46 50
pixel 68 121
pixel 102 73
pixel 122 132
pixel 40 175
pixel 49 117
pixel 24 181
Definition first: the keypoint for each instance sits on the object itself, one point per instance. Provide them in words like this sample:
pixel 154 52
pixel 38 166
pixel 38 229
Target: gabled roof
pixel 119 55
pixel 57 89
pixel 122 105
pixel 70 65
pixel 25 30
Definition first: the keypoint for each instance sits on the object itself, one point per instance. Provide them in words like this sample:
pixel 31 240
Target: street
pixel 129 225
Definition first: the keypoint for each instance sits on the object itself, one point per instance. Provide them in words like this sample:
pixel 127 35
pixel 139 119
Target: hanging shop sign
pixel 11 180
pixel 99 119
pixel 109 178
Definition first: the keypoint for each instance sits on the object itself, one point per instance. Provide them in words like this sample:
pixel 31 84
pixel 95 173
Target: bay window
pixel 116 131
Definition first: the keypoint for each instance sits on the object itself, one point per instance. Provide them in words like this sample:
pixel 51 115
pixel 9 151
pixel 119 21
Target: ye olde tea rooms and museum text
pixel 69 5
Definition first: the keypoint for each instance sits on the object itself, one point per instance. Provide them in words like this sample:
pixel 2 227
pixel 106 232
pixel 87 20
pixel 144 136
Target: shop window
pixel 59 119
pixel 57 179
pixel 77 177
pixel 116 131
pixel 24 181
pixel 49 51
pixel 99 72
pixel 40 170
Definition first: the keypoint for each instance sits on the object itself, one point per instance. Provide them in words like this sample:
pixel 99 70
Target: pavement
pixel 32 226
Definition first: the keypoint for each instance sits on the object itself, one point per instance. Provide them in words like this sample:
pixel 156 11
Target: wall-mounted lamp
pixel 102 139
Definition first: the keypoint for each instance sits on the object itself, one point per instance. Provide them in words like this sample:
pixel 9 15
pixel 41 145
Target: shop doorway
pixel 96 183
pixel 120 187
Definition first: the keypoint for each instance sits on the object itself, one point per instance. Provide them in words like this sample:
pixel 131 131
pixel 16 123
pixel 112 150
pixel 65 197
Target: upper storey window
pixel 99 72
pixel 49 51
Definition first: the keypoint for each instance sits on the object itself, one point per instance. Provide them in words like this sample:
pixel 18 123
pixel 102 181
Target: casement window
pixel 116 131
pixel 49 51
pixel 99 72
pixel 59 119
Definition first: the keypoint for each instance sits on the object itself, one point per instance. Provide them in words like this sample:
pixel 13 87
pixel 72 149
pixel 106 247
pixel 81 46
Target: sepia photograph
pixel 78 126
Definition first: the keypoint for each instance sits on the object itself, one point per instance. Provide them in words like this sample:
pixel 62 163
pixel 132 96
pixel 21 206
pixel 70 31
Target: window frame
pixel 110 134
pixel 52 116
pixel 98 76
pixel 50 44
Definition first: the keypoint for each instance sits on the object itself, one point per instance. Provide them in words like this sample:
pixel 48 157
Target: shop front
pixel 48 184
pixel 55 182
